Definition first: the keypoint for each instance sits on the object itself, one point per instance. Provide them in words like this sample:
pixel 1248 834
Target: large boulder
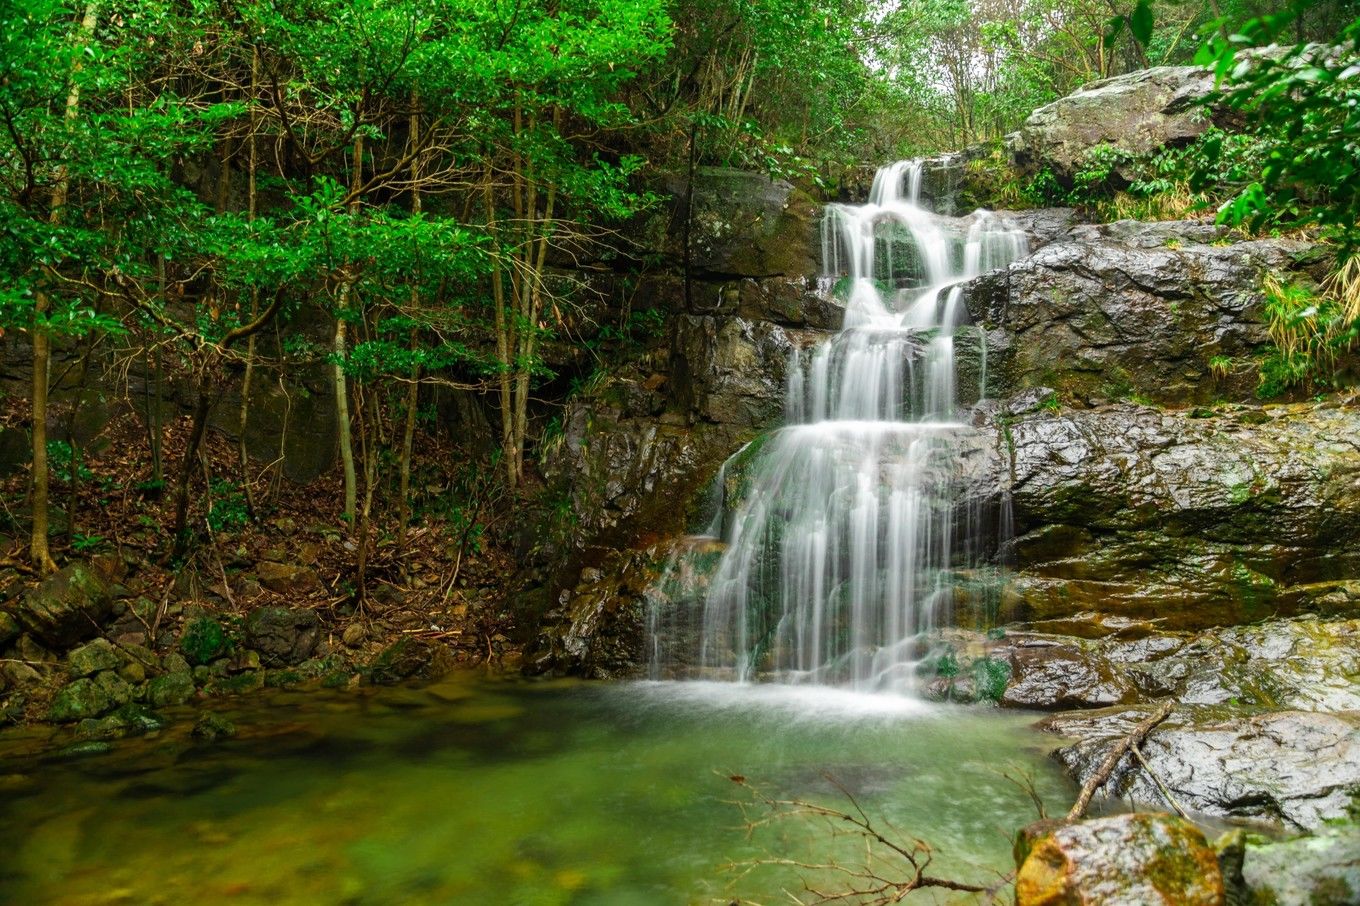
pixel 1164 312
pixel 283 637
pixel 1124 860
pixel 744 224
pixel 1295 769
pixel 1137 113
pixel 67 607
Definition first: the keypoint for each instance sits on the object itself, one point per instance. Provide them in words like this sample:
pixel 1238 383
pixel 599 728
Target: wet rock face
pixel 596 630
pixel 1129 309
pixel 1301 664
pixel 1125 860
pixel 1058 676
pixel 1193 521
pixel 1295 769
pixel 1139 112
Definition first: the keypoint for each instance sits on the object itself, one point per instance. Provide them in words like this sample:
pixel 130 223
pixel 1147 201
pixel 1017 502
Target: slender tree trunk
pixel 42 341
pixel 412 392
pixel 368 437
pixel 341 328
pixel 504 340
pixel 199 424
pixel 253 162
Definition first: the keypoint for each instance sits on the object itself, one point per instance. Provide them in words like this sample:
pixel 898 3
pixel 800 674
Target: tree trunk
pixel 246 379
pixel 504 339
pixel 412 392
pixel 341 328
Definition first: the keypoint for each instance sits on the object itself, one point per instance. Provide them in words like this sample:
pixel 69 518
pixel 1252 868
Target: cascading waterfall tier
pixel 840 537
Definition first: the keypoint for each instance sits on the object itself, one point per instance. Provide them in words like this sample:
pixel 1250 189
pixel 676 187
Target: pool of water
pixel 480 790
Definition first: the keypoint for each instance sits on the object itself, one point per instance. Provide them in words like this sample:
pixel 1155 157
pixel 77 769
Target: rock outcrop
pixel 1169 313
pixel 1137 113
pixel 1193 521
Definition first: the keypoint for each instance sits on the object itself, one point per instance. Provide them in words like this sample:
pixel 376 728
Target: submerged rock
pixel 1290 768
pixel 410 659
pixel 212 727
pixel 129 720
pixel 1124 860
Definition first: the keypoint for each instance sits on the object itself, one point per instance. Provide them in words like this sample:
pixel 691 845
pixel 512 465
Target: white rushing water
pixel 839 544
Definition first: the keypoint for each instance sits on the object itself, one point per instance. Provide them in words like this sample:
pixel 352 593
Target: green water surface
pixel 492 791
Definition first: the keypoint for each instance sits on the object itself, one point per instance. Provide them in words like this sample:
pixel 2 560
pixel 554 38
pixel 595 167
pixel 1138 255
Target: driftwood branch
pixel 1132 741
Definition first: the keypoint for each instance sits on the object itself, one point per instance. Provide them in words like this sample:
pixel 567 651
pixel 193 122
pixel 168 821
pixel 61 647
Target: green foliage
pixel 1304 107
pixel 991 676
pixel 1308 329
pixel 65 463
pixel 202 640
pixel 85 544
pixel 227 507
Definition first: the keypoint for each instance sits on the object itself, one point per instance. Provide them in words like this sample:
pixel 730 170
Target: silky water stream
pixel 842 549
pixel 844 538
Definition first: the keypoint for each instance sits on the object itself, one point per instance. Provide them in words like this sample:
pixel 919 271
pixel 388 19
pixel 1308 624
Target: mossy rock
pixel 89 697
pixel 170 689
pixel 129 720
pixel 1125 860
pixel 202 640
pixel 241 683
pixel 93 657
pixel 410 659
pixel 212 727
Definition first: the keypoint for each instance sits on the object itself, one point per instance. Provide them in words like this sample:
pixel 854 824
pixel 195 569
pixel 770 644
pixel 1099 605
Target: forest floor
pixel 447 586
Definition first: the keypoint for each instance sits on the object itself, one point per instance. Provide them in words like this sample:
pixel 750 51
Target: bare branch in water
pixel 894 865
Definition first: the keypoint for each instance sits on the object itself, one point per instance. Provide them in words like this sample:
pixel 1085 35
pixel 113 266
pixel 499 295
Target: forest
pixel 347 341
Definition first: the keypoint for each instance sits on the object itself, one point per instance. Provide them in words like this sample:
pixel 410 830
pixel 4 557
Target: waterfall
pixel 839 547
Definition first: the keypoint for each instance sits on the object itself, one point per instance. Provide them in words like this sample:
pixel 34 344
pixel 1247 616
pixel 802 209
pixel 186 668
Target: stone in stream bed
pixel 1318 870
pixel 129 720
pixel 1124 860
pixel 212 727
pixel 170 689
